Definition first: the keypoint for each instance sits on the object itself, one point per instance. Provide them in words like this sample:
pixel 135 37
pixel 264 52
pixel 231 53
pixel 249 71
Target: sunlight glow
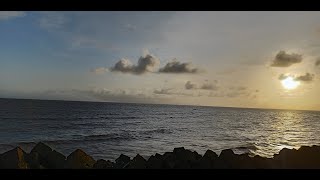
pixel 289 83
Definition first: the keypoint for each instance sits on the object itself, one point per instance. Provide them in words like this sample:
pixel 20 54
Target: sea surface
pixel 106 130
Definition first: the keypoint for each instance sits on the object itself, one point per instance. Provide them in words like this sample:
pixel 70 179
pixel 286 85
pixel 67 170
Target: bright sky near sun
pixel 239 59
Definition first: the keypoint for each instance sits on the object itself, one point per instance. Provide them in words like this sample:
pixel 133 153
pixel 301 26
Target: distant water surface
pixel 105 130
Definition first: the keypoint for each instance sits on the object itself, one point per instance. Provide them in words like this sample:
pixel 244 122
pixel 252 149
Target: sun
pixel 289 83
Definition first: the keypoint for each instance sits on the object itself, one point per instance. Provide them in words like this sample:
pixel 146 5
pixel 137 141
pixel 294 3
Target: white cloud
pixel 5 15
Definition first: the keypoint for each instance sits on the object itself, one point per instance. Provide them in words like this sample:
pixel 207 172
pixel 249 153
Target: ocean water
pixel 105 130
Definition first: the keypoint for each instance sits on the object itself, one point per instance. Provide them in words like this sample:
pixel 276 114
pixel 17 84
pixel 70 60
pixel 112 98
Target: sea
pixel 105 130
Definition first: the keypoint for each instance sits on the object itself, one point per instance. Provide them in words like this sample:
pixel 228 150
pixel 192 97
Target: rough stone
pixel 103 164
pixel 155 162
pixel 208 160
pixel 137 162
pixel 43 155
pixel 122 161
pixel 14 159
pixel 79 160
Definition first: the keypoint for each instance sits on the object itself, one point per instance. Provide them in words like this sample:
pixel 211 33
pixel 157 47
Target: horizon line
pixel 117 102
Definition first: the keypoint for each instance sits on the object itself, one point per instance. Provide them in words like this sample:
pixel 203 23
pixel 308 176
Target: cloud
pixel 146 63
pixel 305 78
pixel 5 15
pixel 178 67
pixel 282 77
pixel 317 63
pixel 99 70
pixel 124 65
pixel 53 20
pixel 101 94
pixel 171 91
pixel 205 86
pixel 190 85
pixel 163 91
pixel 234 92
pixel 283 59
pixel 208 86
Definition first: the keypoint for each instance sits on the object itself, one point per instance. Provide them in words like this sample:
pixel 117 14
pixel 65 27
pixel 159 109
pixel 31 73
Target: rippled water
pixel 105 130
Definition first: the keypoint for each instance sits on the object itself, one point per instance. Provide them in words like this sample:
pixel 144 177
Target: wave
pixel 157 131
pixel 247 148
pixel 250 147
pixel 93 138
pixel 76 140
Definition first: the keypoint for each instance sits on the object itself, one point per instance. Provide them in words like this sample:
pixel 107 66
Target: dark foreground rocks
pixel 79 160
pixel 14 159
pixel 43 157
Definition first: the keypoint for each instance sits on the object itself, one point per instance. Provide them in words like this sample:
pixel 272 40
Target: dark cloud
pixel 124 65
pixel 163 91
pixel 145 64
pixel 178 67
pixel 205 86
pixel 305 78
pixel 283 59
pixel 190 85
pixel 317 63
pixel 282 77
pixel 208 86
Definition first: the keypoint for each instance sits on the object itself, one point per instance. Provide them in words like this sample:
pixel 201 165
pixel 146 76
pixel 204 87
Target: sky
pixel 233 59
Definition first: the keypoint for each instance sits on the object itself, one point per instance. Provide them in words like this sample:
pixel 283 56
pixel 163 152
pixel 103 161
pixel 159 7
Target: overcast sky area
pixel 233 59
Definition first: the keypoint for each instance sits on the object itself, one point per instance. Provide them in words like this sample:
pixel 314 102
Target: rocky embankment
pixel 43 157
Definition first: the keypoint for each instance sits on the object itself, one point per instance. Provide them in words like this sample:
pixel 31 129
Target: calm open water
pixel 105 130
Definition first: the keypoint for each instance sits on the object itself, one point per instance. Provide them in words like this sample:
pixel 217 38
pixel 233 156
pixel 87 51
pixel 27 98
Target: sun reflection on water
pixel 287 130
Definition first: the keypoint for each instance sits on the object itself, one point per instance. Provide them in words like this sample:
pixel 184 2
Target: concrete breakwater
pixel 44 157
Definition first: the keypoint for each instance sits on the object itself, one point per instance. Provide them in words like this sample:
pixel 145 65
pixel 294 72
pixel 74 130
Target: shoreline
pixel 44 157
